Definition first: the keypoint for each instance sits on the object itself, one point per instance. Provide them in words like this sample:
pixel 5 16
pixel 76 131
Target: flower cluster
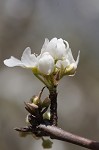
pixel 55 57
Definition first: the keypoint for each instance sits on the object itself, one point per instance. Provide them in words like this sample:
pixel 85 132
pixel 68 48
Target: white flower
pixel 56 47
pixel 43 63
pixel 55 56
pixel 68 62
pixel 46 63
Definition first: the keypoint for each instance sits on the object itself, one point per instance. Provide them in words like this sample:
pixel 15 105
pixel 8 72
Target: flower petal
pixel 67 44
pixel 50 47
pixel 46 63
pixel 56 48
pixel 75 64
pixel 12 62
pixel 28 59
pixel 77 60
pixel 44 47
pixel 69 56
pixel 62 63
pixel 60 49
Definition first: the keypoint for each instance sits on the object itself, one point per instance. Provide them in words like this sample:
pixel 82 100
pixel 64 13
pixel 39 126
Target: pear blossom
pixel 55 56
pixel 56 47
pixel 43 63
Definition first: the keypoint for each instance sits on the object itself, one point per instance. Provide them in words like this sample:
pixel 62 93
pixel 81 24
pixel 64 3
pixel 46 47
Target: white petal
pixel 72 68
pixel 60 49
pixel 62 63
pixel 44 47
pixel 12 62
pixel 56 48
pixel 50 47
pixel 69 56
pixel 46 64
pixel 67 44
pixel 28 59
pixel 75 64
pixel 77 60
pixel 53 41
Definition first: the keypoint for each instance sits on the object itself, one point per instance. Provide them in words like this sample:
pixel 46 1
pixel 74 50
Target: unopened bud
pixel 47 115
pixel 46 102
pixel 36 100
pixel 31 108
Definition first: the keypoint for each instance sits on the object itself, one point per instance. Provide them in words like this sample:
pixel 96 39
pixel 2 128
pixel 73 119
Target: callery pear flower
pixel 56 48
pixel 44 63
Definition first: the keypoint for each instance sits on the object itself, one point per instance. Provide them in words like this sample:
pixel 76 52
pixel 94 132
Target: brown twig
pixel 59 134
pixel 53 106
pixel 43 127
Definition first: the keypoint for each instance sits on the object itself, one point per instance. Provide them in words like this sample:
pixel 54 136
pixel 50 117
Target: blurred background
pixel 27 23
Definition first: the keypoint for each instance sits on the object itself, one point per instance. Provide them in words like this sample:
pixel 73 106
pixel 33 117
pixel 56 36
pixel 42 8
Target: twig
pixel 59 134
pixel 53 106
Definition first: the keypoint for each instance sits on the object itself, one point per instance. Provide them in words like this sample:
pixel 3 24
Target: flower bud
pixel 36 100
pixel 31 108
pixel 46 102
pixel 47 115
